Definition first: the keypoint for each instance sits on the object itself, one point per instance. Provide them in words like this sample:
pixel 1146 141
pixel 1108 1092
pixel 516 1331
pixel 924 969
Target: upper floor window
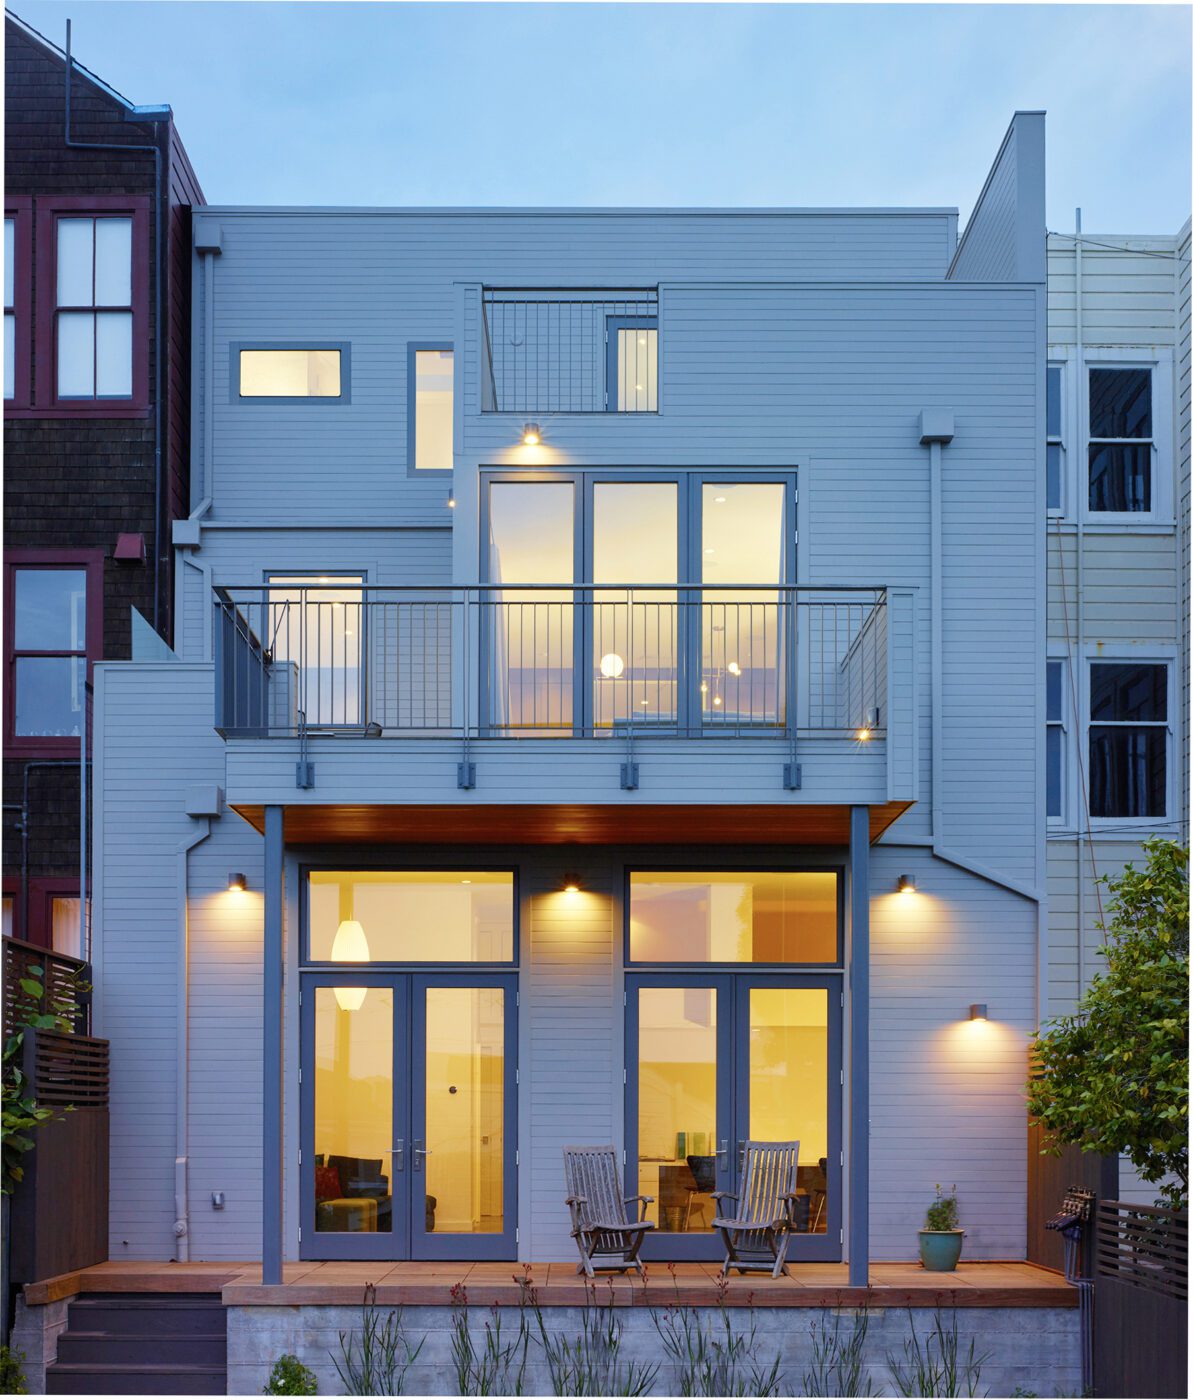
pixel 1120 439
pixel 430 401
pixel 1128 739
pixel 1055 435
pixel 18 284
pixel 633 370
pixel 52 631
pixel 1056 740
pixel 94 307
pixel 93 326
pixel 10 312
pixel 281 372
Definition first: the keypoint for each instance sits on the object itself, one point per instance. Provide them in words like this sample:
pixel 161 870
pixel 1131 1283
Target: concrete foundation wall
pixel 1037 1349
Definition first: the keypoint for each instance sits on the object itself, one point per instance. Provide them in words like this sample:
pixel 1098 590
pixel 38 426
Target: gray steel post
pixel 271 1153
pixel 859 1047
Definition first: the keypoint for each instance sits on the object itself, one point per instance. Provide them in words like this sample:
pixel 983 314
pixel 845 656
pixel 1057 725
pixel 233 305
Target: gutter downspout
pixel 155 151
pixel 182 1031
pixel 936 431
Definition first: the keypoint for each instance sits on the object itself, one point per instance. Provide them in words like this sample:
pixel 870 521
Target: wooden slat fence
pixel 59 1214
pixel 1141 1290
pixel 62 977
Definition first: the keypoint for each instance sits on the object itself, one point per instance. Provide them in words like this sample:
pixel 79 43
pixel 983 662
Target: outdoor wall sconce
pixel 451 500
pixel 571 882
pixel 372 730
pixel 907 884
pixel 236 881
pixel 868 725
pixel 977 1011
pixel 531 436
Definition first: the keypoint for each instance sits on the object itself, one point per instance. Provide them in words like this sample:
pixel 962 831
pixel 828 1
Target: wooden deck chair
pixel 605 1235
pixel 757 1233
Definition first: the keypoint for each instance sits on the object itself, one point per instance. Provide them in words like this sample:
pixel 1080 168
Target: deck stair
pixel 142 1344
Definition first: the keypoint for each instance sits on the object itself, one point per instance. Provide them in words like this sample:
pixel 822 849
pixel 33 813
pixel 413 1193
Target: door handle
pixel 399 1155
pixel 723 1155
pixel 418 1151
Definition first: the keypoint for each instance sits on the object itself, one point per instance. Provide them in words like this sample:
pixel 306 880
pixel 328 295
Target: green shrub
pixel 12 1372
pixel 290 1377
pixel 942 1213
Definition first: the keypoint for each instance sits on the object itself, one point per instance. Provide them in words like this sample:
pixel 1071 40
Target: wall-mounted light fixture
pixel 977 1011
pixel 373 730
pixel 571 882
pixel 907 884
pixel 236 881
pixel 531 435
pixel 865 730
pixel 451 500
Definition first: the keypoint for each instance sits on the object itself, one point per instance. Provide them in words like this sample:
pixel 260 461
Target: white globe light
pixel 612 665
pixel 350 945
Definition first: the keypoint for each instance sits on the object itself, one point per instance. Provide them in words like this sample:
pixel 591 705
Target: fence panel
pixel 1141 1343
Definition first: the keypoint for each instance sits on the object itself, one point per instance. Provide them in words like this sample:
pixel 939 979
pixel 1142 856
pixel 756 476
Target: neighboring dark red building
pixel 98 194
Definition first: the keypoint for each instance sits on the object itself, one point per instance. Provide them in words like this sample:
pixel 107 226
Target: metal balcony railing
pixel 549 661
pixel 570 350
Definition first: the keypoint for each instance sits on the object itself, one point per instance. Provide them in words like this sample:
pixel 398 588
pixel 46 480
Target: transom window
pixel 1128 739
pixel 1120 440
pixel 94 307
pixel 410 916
pixel 776 916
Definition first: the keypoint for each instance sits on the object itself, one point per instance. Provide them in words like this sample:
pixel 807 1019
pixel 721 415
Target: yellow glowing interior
pixel 354 1112
pixel 290 374
pixel 416 916
pixel 787 1047
pixel 734 916
pixel 433 382
pixel 465 1082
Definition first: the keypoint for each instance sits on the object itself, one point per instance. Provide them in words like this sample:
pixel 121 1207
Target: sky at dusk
pixel 655 104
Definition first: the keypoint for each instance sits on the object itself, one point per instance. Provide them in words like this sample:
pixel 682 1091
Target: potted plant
pixel 940 1239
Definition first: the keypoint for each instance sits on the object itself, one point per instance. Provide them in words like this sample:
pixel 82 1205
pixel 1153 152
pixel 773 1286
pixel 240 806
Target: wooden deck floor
pixel 980 1285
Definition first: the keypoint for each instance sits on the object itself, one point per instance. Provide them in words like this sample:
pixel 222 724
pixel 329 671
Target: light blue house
pixel 609 706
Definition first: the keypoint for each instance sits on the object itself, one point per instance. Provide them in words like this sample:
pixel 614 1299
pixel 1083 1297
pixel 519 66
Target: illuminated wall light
pixel 451 500
pixel 571 882
pixel 236 881
pixel 350 946
pixel 977 1011
pixel 734 669
pixel 611 665
pixel 531 435
pixel 907 884
pixel 869 724
pixel 863 735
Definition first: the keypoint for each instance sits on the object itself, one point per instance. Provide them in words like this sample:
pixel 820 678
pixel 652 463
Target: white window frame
pixel 1062 363
pixel 1064 724
pixel 1153 656
pixel 1159 361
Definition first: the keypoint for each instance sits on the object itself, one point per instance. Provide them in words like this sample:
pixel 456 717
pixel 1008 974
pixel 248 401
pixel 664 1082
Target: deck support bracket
pixel 466 776
pixel 792 777
pixel 629 777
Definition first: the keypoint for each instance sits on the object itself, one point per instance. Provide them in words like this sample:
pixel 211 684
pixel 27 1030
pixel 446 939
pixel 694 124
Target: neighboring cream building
pixel 1118 576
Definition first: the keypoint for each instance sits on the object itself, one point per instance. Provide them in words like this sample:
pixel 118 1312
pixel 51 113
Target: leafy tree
pixel 1115 1077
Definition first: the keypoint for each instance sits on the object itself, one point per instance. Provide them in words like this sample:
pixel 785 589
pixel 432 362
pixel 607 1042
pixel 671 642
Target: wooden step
pixel 87 1379
pixel 151 1349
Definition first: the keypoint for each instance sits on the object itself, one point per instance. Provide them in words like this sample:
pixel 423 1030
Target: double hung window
pixel 1128 739
pixel 1056 740
pixel 93 298
pixel 1120 440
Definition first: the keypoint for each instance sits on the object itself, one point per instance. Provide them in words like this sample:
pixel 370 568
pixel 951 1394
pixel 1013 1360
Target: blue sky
pixel 544 104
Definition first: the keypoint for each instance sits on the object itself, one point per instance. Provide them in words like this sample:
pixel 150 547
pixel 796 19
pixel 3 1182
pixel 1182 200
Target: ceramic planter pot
pixel 940 1250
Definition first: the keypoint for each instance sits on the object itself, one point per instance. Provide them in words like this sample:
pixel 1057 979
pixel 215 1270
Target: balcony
pixel 556 694
pixel 576 350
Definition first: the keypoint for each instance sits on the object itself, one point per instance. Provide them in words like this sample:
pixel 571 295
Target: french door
pixel 408 1116
pixel 714 1060
pixel 656 602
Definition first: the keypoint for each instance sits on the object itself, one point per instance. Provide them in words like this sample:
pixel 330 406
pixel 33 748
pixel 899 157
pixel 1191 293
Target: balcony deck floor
pixel 901 1285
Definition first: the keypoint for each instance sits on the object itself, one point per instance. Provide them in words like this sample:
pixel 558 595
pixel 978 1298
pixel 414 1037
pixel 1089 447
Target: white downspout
pixel 1078 675
pixel 200 832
